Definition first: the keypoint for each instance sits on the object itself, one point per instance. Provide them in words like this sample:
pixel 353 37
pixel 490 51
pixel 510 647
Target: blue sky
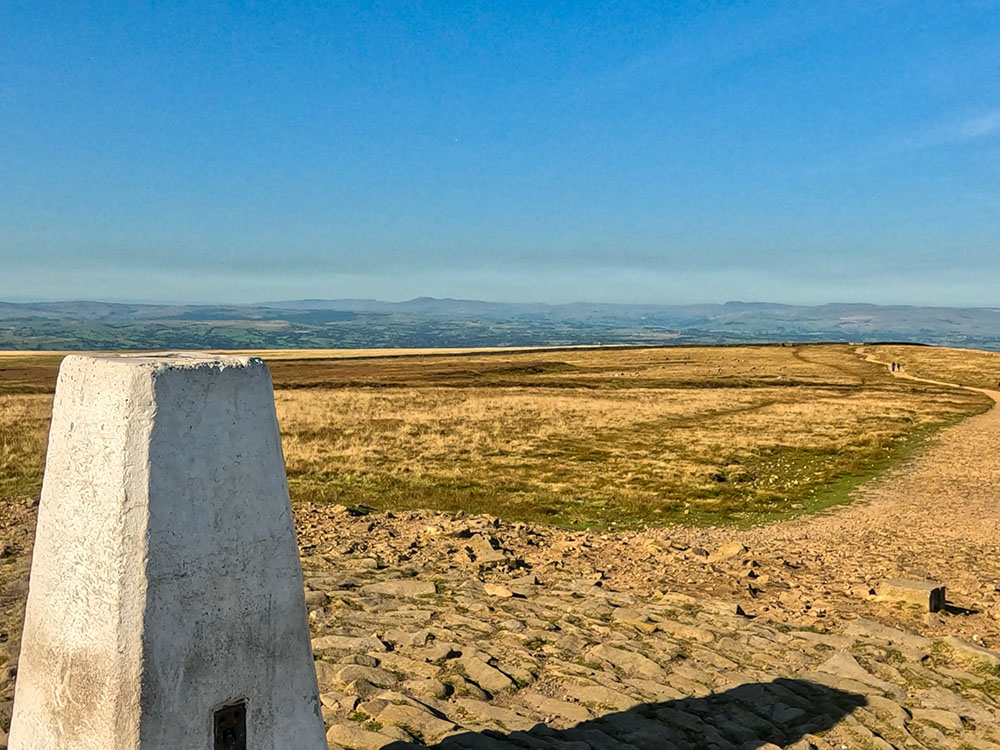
pixel 530 151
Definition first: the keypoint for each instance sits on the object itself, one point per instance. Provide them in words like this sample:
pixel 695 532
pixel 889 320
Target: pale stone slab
pixel 165 581
pixel 928 595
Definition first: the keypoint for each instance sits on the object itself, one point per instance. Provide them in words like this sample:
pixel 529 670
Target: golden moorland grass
pixel 578 437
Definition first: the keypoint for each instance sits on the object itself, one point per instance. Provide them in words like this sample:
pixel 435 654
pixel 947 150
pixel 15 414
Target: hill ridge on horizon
pixel 581 302
pixel 427 322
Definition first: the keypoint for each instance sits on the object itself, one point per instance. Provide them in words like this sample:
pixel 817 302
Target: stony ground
pixel 440 631
pixel 467 633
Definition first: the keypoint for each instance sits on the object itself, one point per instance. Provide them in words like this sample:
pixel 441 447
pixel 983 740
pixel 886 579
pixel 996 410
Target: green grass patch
pixel 783 482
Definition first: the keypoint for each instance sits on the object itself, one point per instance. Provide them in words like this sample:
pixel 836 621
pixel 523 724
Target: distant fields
pixel 427 322
pixel 576 437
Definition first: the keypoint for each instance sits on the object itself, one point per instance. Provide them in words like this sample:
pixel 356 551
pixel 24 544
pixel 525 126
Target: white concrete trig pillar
pixel 165 608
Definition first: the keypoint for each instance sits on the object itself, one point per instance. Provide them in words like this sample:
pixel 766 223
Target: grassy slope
pixel 605 438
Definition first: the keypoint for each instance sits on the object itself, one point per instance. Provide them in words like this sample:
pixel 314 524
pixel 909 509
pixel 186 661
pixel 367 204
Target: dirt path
pixel 935 516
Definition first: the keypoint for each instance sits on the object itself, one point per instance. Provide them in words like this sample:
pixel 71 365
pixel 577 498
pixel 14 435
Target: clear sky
pixel 805 152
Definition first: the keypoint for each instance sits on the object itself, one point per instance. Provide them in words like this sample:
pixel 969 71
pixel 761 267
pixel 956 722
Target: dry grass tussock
pixel 612 437
pixel 24 429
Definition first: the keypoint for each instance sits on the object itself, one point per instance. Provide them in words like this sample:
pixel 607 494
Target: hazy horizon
pixel 265 303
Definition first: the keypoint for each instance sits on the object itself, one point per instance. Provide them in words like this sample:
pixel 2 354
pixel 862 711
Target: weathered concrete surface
pixel 165 581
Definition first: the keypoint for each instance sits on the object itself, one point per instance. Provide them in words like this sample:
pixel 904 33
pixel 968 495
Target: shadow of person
pixel 749 716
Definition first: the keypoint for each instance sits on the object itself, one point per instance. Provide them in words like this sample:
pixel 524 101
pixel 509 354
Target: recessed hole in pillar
pixel 231 727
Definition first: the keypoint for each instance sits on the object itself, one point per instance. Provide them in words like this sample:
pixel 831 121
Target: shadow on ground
pixel 747 717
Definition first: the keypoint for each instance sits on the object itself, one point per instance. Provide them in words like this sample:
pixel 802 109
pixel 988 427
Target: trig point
pixel 165 608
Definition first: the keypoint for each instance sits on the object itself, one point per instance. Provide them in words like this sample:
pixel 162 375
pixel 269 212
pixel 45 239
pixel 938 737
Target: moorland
pixel 604 438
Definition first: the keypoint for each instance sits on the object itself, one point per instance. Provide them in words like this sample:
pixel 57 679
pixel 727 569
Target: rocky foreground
pixel 465 632
pixel 437 631
pixel 432 630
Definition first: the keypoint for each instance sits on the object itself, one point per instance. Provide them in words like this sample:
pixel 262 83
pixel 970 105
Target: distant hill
pixel 430 322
